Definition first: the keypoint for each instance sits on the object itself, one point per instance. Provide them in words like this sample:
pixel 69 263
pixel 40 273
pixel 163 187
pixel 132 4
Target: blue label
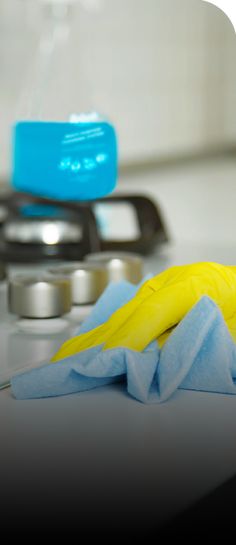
pixel 66 161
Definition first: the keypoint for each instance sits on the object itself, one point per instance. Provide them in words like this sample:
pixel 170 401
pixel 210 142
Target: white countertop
pixel 109 454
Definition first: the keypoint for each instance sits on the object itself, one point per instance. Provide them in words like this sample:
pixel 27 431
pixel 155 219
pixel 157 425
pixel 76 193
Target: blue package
pixel 66 161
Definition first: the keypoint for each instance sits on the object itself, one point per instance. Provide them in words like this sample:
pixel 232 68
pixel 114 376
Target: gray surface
pixel 116 454
pixel 170 454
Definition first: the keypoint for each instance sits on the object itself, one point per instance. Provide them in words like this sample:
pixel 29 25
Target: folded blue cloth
pixel 199 355
pixel 115 296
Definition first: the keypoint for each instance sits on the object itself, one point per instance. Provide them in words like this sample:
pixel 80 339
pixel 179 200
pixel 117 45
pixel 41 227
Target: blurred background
pixel 163 71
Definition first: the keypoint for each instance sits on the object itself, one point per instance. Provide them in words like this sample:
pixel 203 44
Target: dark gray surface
pixel 105 457
pixel 114 453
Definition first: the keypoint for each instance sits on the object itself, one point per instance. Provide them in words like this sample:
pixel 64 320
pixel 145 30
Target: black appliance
pixel 35 229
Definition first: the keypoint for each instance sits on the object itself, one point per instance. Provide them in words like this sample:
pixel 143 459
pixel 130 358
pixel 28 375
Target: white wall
pixel 230 86
pixel 197 200
pixel 162 70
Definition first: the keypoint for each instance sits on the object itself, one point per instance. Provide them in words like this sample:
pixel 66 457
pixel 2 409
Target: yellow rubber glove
pixel 159 305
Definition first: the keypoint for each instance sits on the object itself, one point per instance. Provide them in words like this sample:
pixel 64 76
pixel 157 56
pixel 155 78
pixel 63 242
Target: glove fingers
pixel 158 313
pixel 167 306
pixel 101 334
pixel 159 305
pixel 81 342
pixel 163 338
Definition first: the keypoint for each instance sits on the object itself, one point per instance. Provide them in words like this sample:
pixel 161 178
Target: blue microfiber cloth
pixel 115 296
pixel 199 355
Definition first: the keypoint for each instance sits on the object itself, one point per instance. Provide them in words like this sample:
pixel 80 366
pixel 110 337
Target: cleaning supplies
pixel 65 161
pixel 192 306
pixel 159 305
pixel 199 355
